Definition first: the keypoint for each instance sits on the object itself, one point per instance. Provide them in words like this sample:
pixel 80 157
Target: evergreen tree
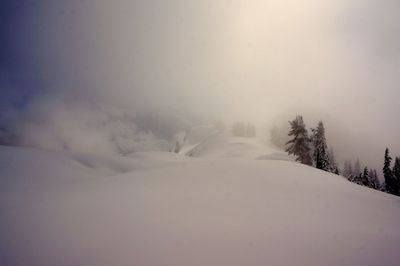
pixel 299 145
pixel 358 179
pixel 320 155
pixel 387 173
pixel 373 179
pixel 383 187
pixel 365 178
pixel 396 176
pixel 351 178
pixel 337 171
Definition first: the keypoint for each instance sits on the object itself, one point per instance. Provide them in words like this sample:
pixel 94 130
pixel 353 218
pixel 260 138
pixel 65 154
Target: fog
pixel 259 61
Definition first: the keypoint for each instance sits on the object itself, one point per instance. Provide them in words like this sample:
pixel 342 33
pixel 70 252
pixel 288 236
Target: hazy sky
pixel 336 60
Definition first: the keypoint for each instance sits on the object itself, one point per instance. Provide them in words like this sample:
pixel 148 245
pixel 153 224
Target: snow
pixel 236 201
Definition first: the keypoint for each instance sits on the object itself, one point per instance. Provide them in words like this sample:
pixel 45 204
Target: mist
pixel 259 61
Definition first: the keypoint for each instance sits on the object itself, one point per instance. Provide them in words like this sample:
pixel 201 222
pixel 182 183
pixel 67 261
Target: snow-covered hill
pixel 235 201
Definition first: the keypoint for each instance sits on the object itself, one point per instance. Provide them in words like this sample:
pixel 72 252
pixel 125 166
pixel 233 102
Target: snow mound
pixel 222 145
pixel 158 208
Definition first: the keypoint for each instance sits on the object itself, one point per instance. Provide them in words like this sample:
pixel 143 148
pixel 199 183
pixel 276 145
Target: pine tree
pixel 321 158
pixel 387 173
pixel 365 178
pixel 299 145
pixel 373 179
pixel 358 179
pixel 396 176
pixel 351 178
pixel 383 187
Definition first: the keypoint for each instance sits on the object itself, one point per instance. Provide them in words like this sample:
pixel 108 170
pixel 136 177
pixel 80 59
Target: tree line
pixel 391 175
pixel 311 149
pixel 241 129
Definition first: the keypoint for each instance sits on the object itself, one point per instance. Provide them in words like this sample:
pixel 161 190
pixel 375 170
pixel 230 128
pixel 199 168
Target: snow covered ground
pixel 233 201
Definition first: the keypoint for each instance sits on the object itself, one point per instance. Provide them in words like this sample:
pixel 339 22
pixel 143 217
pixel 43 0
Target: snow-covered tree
pixel 391 186
pixel 383 187
pixel 396 176
pixel 299 145
pixel 365 178
pixel 358 179
pixel 373 179
pixel 320 154
pixel 368 178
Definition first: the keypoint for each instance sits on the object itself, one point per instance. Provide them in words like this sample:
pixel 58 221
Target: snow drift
pixel 219 207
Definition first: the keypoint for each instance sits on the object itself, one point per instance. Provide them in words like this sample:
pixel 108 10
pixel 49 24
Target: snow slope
pixel 221 207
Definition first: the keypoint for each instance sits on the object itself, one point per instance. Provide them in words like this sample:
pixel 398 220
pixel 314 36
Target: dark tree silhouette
pixel 299 145
pixel 320 156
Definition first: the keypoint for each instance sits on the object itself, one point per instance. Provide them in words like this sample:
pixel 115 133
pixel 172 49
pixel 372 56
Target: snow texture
pixel 235 201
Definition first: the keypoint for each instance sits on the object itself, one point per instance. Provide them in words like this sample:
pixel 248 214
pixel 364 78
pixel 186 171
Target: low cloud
pixel 88 127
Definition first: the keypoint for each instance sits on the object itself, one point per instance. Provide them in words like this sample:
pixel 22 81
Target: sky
pixel 259 61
